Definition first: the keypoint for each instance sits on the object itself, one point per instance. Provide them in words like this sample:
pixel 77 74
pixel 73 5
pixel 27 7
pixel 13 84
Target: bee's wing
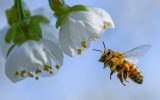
pixel 135 54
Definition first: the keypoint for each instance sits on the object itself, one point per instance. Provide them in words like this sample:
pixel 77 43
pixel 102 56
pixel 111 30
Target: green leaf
pixel 11 32
pixel 12 14
pixel 60 20
pixel 79 8
pixel 56 5
pixel 19 37
pixel 35 30
pixel 40 19
pixel 24 27
pixel 61 17
pixel 58 23
pixel 59 7
pixel 15 34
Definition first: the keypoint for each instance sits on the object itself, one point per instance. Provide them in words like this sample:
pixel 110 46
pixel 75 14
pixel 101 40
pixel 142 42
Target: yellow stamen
pixel 17 73
pixel 30 74
pixel 37 78
pixel 51 72
pixel 46 68
pixel 79 51
pixel 38 71
pixel 93 39
pixel 22 73
pixel 106 25
pixel 83 44
pixel 57 67
pixel 49 67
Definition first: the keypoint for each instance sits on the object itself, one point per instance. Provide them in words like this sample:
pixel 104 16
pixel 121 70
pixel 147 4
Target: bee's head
pixel 105 55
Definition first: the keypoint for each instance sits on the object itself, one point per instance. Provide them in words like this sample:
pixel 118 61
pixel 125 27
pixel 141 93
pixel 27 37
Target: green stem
pixel 19 3
pixel 15 3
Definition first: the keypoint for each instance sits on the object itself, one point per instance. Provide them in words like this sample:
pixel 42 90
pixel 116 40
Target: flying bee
pixel 124 63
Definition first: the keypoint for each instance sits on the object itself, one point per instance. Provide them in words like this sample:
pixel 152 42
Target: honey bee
pixel 124 63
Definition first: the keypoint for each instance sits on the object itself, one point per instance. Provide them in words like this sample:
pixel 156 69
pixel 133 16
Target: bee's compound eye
pixel 117 67
pixel 109 52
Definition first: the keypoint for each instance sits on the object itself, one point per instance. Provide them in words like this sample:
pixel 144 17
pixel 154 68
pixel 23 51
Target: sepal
pixel 13 14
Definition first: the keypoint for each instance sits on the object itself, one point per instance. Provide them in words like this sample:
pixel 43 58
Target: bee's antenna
pixel 104 46
pixel 97 50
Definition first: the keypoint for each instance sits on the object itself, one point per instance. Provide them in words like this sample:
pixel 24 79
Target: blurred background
pixel 83 77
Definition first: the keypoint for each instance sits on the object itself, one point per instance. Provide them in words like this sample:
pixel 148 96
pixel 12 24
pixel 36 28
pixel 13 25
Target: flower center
pixel 47 68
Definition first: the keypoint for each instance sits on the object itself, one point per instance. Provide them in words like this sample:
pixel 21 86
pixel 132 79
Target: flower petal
pixel 104 16
pixel 74 34
pixel 3 45
pixel 92 22
pixel 28 57
pixel 90 19
pixel 49 32
pixel 78 33
pixel 53 51
pixel 64 39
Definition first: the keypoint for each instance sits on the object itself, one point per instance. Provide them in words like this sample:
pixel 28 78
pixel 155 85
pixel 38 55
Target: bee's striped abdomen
pixel 135 74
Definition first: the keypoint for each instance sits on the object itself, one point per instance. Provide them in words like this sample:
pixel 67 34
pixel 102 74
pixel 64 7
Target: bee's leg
pixel 126 69
pixel 113 69
pixel 111 74
pixel 119 75
pixel 105 65
pixel 125 76
pixel 108 62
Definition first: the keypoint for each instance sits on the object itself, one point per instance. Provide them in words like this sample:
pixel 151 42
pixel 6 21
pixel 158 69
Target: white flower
pixel 81 27
pixel 32 58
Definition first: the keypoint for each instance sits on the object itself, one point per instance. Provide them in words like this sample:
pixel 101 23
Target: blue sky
pixel 83 77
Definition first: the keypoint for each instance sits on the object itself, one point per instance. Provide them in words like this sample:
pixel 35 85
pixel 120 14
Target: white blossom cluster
pixel 45 57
